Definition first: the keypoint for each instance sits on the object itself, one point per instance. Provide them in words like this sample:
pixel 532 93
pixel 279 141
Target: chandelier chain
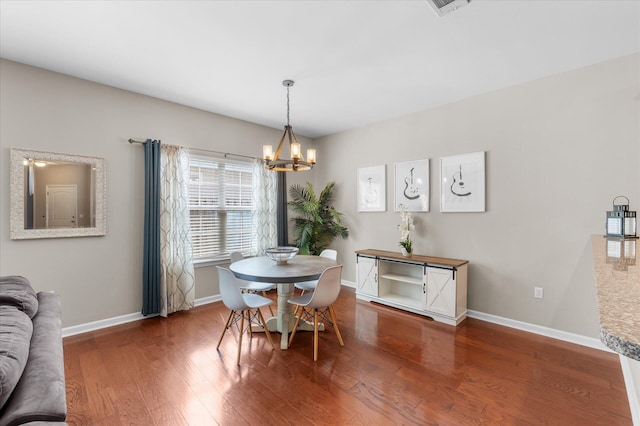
pixel 287 105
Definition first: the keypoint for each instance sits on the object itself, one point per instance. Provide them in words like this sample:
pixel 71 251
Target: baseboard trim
pixel 538 329
pixel 123 319
pixel 532 328
pixel 97 325
pixel 631 373
pixel 348 283
pixel 207 300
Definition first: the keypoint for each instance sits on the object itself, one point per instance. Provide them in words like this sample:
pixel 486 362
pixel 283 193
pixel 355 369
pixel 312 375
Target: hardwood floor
pixel 395 368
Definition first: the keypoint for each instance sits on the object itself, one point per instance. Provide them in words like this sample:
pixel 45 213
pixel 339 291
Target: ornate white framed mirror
pixel 56 195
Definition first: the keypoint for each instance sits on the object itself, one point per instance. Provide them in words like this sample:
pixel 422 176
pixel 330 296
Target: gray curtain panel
pixel 151 257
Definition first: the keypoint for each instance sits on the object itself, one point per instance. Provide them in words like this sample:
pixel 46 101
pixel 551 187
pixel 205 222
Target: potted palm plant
pixel 317 222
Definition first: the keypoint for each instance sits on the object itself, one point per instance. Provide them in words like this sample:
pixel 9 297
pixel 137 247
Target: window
pixel 220 205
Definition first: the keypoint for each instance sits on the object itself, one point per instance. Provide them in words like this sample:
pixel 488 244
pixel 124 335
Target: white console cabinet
pixel 432 286
pixel 367 273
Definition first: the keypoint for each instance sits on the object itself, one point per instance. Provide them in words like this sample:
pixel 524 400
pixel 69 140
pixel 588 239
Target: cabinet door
pixel 441 291
pixel 367 276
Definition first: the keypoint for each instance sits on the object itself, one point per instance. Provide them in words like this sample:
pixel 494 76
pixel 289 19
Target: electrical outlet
pixel 538 292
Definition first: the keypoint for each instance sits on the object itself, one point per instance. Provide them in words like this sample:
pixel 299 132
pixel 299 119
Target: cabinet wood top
pixel 417 258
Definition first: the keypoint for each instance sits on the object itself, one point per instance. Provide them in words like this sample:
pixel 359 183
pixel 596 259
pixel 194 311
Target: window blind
pixel 220 204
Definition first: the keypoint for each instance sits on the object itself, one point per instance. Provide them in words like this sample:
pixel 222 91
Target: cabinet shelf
pixel 430 286
pixel 403 278
pixel 403 301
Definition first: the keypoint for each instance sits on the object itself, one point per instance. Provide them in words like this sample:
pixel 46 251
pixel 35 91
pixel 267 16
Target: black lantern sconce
pixel 621 222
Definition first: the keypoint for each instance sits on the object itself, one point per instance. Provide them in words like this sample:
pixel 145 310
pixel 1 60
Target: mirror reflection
pixel 58 194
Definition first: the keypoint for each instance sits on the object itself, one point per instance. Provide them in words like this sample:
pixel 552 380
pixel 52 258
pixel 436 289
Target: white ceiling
pixel 354 62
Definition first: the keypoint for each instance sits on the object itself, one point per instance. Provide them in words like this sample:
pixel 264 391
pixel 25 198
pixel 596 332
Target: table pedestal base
pixel 285 319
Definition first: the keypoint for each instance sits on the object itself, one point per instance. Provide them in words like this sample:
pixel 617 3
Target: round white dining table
pixel 300 268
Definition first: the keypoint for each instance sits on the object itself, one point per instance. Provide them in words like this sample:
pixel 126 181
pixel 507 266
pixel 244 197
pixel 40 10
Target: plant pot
pixel 405 253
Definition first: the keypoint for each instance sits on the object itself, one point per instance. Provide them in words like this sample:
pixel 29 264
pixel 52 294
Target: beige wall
pixel 100 277
pixel 558 150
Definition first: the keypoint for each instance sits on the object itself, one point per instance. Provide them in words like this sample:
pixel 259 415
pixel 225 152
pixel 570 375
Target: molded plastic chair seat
pixel 251 286
pixel 307 286
pixel 319 304
pixel 241 306
pixel 255 301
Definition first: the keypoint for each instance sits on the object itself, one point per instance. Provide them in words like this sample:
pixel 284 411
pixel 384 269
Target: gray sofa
pixel 32 387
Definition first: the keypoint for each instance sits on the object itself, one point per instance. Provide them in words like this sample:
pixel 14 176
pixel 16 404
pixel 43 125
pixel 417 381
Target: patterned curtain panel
pixel 177 291
pixel 151 253
pixel 263 218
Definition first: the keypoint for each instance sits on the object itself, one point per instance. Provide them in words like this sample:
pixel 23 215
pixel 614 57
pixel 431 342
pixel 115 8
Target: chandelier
pixel 297 162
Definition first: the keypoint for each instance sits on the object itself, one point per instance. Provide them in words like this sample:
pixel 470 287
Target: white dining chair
pixel 252 286
pixel 242 305
pixel 306 286
pixel 318 305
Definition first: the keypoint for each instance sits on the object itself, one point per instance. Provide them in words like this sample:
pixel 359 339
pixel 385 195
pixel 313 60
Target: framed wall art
pixel 372 195
pixel 462 183
pixel 412 186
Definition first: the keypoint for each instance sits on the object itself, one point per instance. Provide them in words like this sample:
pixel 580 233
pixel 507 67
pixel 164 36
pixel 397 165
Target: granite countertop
pixel 618 289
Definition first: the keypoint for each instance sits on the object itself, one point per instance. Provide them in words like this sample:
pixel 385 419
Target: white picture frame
pixel 411 183
pixel 372 189
pixel 462 183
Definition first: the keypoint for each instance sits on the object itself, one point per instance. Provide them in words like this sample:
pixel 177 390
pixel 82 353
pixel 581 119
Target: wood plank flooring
pixel 395 368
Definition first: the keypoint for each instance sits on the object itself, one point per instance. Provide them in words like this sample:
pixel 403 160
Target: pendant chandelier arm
pixel 276 156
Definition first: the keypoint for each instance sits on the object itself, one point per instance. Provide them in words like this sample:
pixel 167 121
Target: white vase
pixel 404 251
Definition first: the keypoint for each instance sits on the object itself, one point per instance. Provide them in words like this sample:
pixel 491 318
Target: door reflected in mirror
pixel 56 195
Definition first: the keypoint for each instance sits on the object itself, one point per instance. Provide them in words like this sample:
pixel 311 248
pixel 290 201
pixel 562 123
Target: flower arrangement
pixel 405 227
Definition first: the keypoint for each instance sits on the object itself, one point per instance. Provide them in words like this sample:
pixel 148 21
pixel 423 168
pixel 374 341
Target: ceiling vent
pixel 442 7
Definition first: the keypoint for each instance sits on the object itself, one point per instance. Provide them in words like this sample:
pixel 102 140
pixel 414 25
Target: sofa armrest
pixel 40 394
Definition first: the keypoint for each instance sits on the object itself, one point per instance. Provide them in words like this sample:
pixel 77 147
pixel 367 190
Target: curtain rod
pixel 223 153
pixel 206 150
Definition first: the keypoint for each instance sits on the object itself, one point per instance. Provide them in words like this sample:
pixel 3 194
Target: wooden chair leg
pixel 332 314
pixel 266 330
pixel 249 328
pixel 295 327
pixel 225 329
pixel 240 337
pixel 315 334
pixel 264 293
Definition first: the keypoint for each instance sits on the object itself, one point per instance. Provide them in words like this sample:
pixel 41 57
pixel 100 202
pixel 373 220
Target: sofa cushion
pixel 17 291
pixel 40 395
pixel 15 338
